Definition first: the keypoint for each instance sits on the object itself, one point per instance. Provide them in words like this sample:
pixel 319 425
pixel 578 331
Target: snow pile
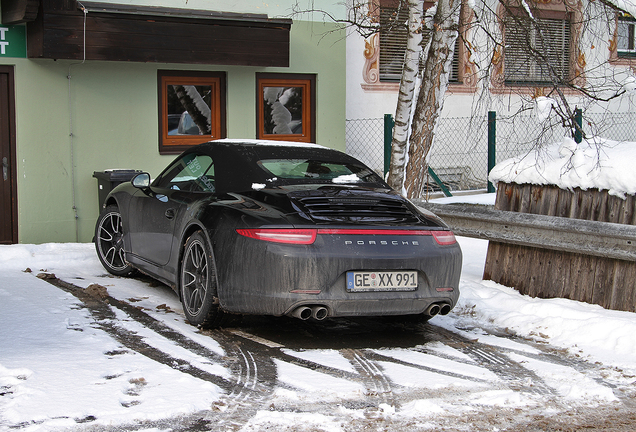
pixel 351 178
pixel 543 106
pixel 584 329
pixel 269 143
pixel 602 164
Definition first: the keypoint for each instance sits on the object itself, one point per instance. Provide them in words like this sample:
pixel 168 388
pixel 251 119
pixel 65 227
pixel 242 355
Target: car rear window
pixel 323 170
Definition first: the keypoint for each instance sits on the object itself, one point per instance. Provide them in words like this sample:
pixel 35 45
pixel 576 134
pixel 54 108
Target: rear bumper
pixel 259 277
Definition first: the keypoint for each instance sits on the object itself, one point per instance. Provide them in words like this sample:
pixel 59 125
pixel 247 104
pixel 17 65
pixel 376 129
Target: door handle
pixel 170 213
pixel 5 168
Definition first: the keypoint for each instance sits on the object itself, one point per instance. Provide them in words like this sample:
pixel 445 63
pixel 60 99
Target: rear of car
pixel 348 272
pixel 345 244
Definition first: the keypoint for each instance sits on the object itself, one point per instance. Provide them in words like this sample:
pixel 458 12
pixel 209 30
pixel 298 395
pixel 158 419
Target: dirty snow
pixel 56 367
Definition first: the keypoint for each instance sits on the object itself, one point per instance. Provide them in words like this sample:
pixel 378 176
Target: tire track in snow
pixel 379 387
pixel 595 371
pixel 516 376
pixel 253 378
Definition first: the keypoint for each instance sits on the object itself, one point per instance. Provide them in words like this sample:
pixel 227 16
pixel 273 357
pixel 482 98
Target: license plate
pixel 403 280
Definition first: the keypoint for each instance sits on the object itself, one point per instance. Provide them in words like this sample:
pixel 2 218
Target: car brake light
pixel 289 236
pixel 362 231
pixel 444 238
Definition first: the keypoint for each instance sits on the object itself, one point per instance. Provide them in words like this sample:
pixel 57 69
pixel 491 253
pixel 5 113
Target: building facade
pixel 88 87
pixel 492 71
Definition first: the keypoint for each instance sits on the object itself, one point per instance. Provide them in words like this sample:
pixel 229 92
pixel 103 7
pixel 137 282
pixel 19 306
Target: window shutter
pixel 393 37
pixel 454 74
pixel 521 65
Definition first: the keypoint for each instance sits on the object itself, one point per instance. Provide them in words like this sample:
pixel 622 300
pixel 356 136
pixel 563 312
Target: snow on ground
pixel 57 366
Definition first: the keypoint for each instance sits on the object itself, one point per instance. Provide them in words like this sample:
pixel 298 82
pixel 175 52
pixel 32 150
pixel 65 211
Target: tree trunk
pixel 431 97
pixel 405 95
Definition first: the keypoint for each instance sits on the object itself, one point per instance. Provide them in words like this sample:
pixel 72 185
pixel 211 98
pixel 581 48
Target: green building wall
pixel 75 118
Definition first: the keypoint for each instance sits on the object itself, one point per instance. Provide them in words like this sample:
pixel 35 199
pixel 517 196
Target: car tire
pixel 109 242
pixel 198 286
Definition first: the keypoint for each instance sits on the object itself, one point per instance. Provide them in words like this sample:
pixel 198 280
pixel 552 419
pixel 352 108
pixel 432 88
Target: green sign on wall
pixel 13 41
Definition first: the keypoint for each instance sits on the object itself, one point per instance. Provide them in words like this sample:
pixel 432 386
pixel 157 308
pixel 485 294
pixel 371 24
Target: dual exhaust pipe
pixel 437 308
pixel 317 312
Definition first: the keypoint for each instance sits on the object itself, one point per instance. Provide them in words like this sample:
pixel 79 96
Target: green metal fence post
pixel 388 137
pixel 439 182
pixel 492 136
pixel 578 119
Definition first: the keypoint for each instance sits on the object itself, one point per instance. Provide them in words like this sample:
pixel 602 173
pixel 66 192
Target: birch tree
pixel 406 91
pixel 430 99
pixel 433 40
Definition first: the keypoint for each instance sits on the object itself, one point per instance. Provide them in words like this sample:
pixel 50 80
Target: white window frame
pixel 626 37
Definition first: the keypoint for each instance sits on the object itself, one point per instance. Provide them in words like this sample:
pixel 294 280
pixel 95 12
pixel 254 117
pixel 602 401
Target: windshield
pixel 310 169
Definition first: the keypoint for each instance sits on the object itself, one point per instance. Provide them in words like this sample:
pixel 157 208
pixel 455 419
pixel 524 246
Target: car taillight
pixel 289 236
pixel 444 238
pixel 372 231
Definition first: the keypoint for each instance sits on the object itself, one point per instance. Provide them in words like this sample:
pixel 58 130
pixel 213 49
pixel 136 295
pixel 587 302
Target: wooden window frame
pixel 308 83
pixel 175 144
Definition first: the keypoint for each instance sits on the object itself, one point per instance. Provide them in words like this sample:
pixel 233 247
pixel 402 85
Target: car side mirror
pixel 141 181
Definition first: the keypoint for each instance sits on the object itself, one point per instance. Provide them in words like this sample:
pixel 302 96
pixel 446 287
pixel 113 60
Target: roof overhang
pixel 64 29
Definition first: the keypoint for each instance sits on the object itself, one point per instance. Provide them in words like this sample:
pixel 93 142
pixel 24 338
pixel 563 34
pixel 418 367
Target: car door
pixel 156 212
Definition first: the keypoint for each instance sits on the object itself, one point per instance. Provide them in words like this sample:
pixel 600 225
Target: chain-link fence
pixel 365 141
pixel 459 155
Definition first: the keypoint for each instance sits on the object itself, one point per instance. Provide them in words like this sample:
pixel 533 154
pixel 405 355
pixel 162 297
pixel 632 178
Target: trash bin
pixel 108 179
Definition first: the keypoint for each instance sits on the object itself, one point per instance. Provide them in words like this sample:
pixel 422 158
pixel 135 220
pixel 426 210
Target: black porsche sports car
pixel 271 228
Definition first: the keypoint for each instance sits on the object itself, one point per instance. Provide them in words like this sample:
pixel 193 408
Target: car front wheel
pixel 109 242
pixel 197 283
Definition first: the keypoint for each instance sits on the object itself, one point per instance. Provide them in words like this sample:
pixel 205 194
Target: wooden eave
pixel 19 11
pixel 67 29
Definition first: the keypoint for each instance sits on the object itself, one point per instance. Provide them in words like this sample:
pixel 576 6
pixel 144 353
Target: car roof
pixel 251 150
pixel 256 142
pixel 236 160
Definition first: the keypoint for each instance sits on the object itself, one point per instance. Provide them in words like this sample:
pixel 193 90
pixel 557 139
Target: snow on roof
pixel 596 163
pixel 626 5
pixel 270 143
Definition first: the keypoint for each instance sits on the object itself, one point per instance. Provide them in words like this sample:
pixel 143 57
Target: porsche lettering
pixel 382 242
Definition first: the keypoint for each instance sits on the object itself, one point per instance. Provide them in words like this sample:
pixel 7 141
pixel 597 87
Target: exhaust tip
pixel 432 310
pixel 445 309
pixel 302 312
pixel 319 313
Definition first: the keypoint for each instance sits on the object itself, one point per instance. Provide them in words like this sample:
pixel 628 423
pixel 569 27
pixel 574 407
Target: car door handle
pixel 170 213
pixel 5 168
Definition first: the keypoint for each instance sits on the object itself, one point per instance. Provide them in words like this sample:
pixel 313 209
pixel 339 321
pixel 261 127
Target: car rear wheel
pixel 109 242
pixel 197 283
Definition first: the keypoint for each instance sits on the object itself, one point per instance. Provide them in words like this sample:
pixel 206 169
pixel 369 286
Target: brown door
pixel 8 204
